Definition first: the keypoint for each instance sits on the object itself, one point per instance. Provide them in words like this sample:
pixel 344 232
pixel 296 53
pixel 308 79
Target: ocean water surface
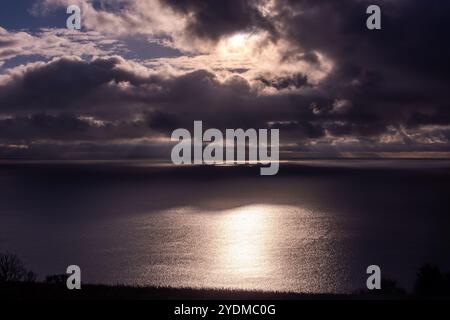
pixel 313 228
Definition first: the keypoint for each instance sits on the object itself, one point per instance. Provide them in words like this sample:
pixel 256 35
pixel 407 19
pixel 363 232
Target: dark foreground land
pixel 45 291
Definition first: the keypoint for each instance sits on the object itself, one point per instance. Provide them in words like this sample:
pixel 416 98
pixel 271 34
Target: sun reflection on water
pixel 259 246
pixel 243 242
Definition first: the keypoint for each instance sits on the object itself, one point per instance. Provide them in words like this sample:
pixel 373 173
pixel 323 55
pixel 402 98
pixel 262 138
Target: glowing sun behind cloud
pixel 240 44
pixel 253 56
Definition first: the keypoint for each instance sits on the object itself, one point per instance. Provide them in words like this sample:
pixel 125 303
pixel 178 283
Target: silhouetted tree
pixel 431 282
pixel 30 277
pixel 11 268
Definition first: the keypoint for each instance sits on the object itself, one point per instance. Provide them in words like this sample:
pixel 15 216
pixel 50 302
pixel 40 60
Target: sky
pixel 137 70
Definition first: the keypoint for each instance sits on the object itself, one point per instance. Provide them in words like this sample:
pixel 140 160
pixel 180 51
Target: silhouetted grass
pixel 37 290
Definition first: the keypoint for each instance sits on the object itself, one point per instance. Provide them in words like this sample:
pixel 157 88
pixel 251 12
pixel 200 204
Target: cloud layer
pixel 309 68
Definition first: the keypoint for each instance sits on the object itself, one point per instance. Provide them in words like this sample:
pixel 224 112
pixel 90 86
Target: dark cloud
pixel 160 120
pixel 106 99
pixel 293 81
pixel 211 19
pixel 55 85
pixel 437 116
pixel 399 67
pixel 65 127
pixel 394 77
